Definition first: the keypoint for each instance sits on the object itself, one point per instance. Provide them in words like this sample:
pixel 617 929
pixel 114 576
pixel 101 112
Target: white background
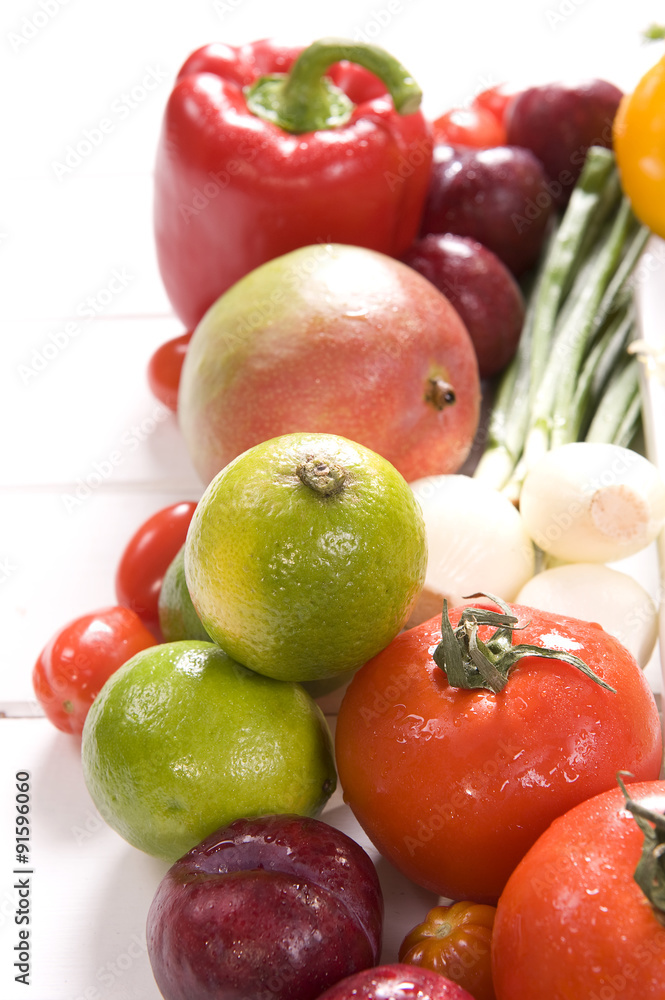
pixel 63 237
pixel 64 67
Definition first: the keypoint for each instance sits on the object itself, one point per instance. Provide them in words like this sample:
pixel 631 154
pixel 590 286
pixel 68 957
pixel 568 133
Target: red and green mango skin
pixel 334 339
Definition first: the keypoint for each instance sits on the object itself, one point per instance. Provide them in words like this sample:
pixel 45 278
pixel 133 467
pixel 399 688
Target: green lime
pixel 305 556
pixel 178 620
pixel 177 615
pixel 182 740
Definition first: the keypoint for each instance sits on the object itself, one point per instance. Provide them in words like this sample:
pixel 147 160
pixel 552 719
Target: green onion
pixel 572 357
pixel 602 362
pixel 617 417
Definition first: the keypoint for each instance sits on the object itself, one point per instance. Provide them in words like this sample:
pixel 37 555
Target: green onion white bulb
pixel 592 502
pixel 598 593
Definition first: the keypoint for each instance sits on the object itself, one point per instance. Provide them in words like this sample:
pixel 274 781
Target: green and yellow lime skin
pixel 177 615
pixel 182 740
pixel 305 556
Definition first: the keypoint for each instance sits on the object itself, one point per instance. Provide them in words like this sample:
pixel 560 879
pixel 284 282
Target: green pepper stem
pixel 304 100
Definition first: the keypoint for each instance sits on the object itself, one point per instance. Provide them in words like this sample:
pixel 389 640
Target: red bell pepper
pixel 265 149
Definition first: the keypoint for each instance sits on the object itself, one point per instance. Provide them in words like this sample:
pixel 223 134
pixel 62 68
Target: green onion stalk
pixel 572 377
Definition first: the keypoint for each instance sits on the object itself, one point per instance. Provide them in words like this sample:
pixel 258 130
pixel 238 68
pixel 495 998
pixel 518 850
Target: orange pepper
pixel 639 147
pixel 455 941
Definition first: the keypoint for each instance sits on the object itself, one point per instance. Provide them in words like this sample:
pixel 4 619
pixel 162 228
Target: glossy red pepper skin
pixel 233 191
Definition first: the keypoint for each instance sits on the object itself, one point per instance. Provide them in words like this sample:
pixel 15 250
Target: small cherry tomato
pixel 573 915
pixel 77 661
pixel 146 558
pixel 456 747
pixel 639 146
pixel 472 126
pixel 456 942
pixel 164 369
pixel 495 100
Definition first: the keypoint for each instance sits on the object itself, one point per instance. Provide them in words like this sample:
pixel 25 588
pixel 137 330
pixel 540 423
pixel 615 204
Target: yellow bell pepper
pixel 639 147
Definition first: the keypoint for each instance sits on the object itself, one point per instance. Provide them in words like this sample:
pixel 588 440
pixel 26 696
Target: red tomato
pixel 164 369
pixel 74 665
pixel 495 100
pixel 453 786
pixel 456 942
pixel 572 916
pixel 473 126
pixel 147 556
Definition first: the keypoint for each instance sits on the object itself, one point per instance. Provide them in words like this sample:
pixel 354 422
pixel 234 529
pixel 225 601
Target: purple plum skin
pixel 482 290
pixel 558 122
pixel 497 196
pixel 398 982
pixel 275 907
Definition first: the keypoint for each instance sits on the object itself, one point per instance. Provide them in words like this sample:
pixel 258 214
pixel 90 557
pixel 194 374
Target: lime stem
pixel 321 475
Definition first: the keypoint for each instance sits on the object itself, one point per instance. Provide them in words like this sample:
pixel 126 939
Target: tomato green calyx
pixel 650 871
pixel 468 662
pixel 304 100
pixel 322 475
pixel 439 392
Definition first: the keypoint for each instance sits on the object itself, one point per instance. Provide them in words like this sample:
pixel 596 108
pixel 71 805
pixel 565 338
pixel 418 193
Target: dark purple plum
pixel 558 122
pixel 278 907
pixel 497 196
pixel 482 290
pixel 398 982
